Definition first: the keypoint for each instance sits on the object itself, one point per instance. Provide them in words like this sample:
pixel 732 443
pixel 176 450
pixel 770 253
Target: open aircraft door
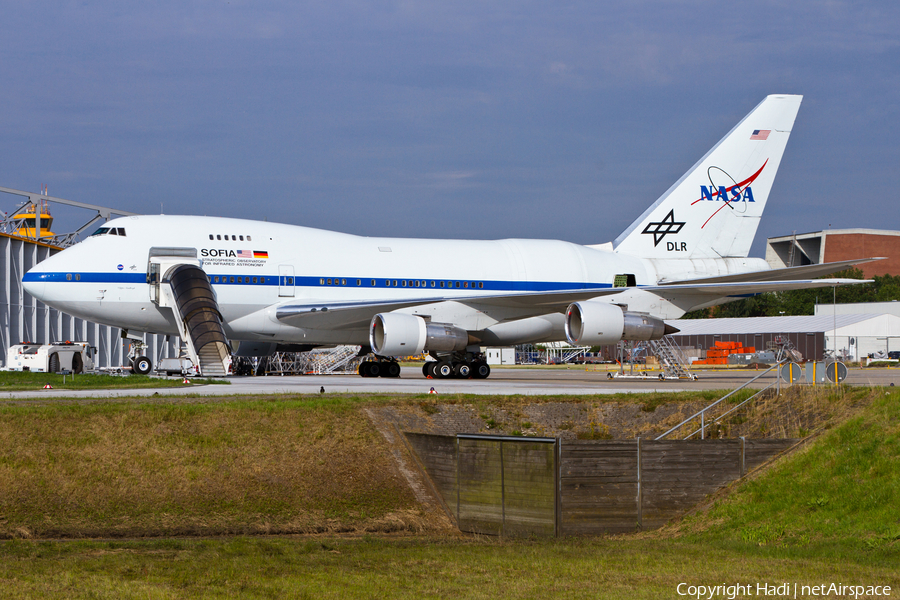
pixel 286 280
pixel 160 260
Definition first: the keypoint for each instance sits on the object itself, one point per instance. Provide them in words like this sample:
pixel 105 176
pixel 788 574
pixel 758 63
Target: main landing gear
pixel 379 368
pixel 471 367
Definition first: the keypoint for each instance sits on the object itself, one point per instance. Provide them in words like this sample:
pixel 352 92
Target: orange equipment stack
pixel 718 354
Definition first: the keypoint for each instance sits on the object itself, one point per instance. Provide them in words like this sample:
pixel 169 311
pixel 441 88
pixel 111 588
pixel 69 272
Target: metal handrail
pixel 726 413
pixel 702 412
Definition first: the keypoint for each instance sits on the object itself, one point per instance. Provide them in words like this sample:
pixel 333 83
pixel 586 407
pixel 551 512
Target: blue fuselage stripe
pixel 332 282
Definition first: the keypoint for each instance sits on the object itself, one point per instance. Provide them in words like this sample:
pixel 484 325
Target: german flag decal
pixel 260 254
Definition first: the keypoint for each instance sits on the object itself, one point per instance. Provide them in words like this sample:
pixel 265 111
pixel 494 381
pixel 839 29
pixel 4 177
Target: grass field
pixel 373 567
pixel 829 513
pixel 196 467
pixel 15 381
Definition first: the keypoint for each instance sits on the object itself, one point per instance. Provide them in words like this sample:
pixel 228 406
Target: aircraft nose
pixel 35 283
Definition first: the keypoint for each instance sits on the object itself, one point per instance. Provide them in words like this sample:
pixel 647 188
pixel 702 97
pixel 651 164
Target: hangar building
pixel 859 308
pixel 26 241
pixel 854 335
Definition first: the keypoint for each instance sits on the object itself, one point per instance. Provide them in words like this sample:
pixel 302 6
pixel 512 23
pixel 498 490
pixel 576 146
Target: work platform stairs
pixel 335 360
pixel 342 359
pixel 672 360
pixel 185 289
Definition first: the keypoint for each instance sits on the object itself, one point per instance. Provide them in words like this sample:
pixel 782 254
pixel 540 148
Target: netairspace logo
pixel 781 590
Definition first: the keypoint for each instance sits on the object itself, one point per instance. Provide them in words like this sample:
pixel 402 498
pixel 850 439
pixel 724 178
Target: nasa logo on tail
pixel 735 196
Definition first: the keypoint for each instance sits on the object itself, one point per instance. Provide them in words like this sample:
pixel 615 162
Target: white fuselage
pixel 256 267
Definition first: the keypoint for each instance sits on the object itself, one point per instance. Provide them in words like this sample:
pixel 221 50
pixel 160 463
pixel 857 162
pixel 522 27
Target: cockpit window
pixel 109 231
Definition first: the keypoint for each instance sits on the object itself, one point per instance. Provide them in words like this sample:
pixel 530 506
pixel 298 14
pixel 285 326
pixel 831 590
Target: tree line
pixel 884 288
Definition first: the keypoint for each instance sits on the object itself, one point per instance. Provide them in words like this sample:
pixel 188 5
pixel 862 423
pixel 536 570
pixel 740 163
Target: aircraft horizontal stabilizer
pixel 751 288
pixel 786 274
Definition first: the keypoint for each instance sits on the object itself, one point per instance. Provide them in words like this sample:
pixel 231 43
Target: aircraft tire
pixel 374 368
pixel 141 365
pixel 462 371
pixel 391 369
pixel 425 367
pixel 481 370
pixel 443 370
pixel 365 369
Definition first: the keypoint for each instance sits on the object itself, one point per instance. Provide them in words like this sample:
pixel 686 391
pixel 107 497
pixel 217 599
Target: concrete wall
pixel 504 486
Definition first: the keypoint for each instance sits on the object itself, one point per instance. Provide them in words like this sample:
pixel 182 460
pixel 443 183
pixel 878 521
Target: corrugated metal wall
pixel 26 319
pixel 810 345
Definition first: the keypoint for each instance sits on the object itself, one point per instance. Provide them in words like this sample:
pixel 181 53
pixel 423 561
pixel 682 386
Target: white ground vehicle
pixel 176 366
pixel 75 357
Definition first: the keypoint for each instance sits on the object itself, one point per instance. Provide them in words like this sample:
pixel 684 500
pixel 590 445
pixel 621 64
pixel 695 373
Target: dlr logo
pixel 676 246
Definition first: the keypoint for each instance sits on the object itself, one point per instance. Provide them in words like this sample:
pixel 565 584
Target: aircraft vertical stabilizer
pixel 714 209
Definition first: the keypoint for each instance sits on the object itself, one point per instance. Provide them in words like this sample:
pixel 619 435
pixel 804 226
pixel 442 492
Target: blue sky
pixel 437 119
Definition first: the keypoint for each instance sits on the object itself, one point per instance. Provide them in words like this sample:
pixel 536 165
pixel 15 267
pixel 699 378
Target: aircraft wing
pixel 354 315
pixel 328 314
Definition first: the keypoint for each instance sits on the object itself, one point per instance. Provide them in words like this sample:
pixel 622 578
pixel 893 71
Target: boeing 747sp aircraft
pixel 213 281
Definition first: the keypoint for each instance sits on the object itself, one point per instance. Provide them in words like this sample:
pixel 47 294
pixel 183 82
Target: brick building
pixel 836 245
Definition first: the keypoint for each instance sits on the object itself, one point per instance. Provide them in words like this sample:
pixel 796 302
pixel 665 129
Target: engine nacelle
pixel 396 334
pixel 593 323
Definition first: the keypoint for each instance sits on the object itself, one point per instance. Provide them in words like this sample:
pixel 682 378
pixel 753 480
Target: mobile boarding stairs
pixel 178 283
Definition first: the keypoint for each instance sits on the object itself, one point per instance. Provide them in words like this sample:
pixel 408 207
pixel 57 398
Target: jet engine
pixel 396 334
pixel 593 323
